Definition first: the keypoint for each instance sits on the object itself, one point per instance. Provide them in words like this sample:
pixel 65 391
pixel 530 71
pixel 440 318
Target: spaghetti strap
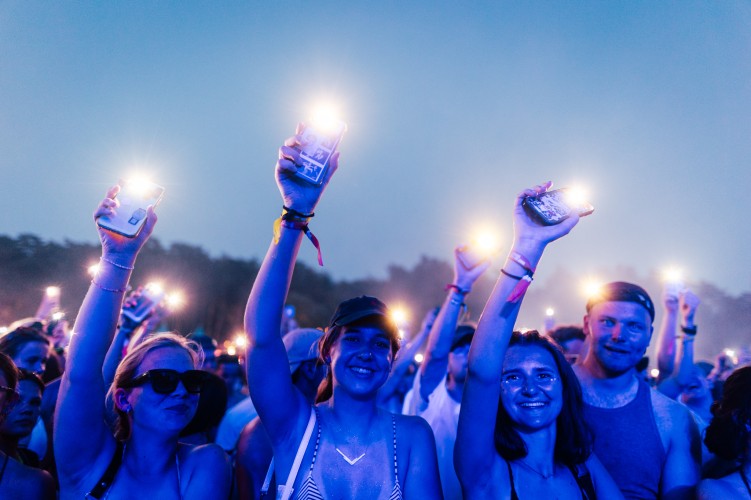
pixel 2 471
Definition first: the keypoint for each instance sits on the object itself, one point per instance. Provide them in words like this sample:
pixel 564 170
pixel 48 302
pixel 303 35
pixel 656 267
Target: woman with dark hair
pixel 155 394
pixel 521 431
pixel 16 479
pixel 344 446
pixel 729 436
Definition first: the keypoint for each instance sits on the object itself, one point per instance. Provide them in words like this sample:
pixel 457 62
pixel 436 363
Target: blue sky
pixel 453 107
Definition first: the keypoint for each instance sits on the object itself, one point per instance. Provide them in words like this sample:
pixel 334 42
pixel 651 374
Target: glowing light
pixel 156 287
pixel 3 330
pixel 592 288
pixel 241 340
pixel 730 353
pixel 401 333
pixel 93 269
pixel 654 372
pixel 231 350
pixel 419 358
pixel 550 312
pixel 672 275
pixel 524 330
pixel 576 196
pixel 400 315
pixel 486 242
pixel 325 117
pixel 58 316
pixel 139 184
pixel 175 300
pixel 53 291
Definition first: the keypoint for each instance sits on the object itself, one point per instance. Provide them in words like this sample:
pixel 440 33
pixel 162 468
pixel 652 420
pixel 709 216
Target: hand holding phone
pixel 319 142
pixel 553 207
pixel 134 198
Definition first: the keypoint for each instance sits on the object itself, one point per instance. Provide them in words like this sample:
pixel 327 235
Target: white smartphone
pixel 319 144
pixel 146 302
pixel 134 198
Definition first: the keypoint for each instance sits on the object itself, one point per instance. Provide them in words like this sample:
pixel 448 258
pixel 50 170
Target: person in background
pixel 571 340
pixel 233 374
pixel 16 479
pixel 21 419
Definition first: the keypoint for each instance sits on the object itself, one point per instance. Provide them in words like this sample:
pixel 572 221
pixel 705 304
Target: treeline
pixel 216 289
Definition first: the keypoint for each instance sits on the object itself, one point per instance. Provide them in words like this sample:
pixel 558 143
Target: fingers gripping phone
pixel 320 141
pixel 134 197
pixel 144 305
pixel 553 207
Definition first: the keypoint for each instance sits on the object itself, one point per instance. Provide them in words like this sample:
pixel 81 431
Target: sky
pixel 452 109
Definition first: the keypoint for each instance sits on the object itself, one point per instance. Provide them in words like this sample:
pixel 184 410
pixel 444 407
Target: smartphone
pixel 148 300
pixel 134 197
pixel 553 207
pixel 469 257
pixel 673 288
pixel 319 144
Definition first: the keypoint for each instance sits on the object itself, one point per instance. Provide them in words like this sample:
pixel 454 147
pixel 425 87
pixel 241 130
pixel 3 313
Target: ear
pixel 120 397
pixel 585 325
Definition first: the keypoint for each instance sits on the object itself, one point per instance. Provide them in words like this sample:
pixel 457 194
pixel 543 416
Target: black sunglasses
pixel 164 381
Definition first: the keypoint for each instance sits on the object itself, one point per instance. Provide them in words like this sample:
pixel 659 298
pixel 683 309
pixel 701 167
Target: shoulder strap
pixel 584 480
pixel 109 475
pixel 287 492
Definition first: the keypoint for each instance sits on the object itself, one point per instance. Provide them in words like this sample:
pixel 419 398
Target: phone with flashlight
pixel 553 207
pixel 150 298
pixel 319 142
pixel 469 257
pixel 134 197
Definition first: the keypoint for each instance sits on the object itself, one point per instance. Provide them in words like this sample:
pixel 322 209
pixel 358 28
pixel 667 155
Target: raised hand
pixel 528 230
pixel 115 247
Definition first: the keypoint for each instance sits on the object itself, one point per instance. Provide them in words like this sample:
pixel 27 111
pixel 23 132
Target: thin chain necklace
pixel 529 467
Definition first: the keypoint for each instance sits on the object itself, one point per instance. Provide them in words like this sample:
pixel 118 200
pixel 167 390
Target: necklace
pixel 350 461
pixel 529 467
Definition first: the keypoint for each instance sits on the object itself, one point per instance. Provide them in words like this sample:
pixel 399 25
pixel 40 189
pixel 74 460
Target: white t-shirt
pixel 441 412
pixel 235 419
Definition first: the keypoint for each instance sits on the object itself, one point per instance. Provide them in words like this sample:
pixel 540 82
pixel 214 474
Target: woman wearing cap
pixel 155 395
pixel 521 432
pixel 344 446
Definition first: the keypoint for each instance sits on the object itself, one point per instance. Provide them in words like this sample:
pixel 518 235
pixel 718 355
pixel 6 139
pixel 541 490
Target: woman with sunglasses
pixel 344 446
pixel 16 479
pixel 155 394
pixel 521 433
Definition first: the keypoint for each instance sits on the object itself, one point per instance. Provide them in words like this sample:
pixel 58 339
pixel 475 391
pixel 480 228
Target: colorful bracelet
pixel 127 268
pixel 461 291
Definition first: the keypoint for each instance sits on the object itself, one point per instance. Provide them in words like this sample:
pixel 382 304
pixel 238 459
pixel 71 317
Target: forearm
pixel 114 354
pixel 686 361
pixel 666 344
pixel 97 320
pixel 433 367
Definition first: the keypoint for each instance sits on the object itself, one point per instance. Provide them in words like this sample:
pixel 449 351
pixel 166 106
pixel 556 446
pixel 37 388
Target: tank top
pixel 628 444
pixel 309 489
pixel 581 475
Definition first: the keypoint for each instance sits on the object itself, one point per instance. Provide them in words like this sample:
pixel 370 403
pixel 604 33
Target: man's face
pixel 619 334
pixel 23 417
pixel 457 367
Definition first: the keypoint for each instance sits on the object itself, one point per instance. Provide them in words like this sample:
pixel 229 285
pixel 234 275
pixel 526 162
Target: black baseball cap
pixel 620 291
pixel 463 335
pixel 361 307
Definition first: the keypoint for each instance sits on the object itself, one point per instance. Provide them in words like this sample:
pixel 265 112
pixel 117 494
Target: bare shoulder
pixel 669 413
pixel 710 489
pixel 203 454
pixel 412 426
pixel 27 482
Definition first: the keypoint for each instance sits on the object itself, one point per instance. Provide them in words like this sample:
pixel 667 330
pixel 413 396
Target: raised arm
pixel 666 335
pixel 688 303
pixel 282 409
pixel 433 368
pixel 82 389
pixel 475 452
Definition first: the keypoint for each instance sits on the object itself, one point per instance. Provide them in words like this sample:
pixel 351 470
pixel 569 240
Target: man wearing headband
pixel 648 442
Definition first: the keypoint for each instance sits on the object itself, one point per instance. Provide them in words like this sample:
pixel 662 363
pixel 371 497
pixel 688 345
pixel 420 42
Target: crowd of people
pixel 120 409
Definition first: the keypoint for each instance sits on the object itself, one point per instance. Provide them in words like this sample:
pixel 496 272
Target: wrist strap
pixel 520 289
pixel 461 291
pixel 522 261
pixel 300 225
pixel 689 330
pixel 512 276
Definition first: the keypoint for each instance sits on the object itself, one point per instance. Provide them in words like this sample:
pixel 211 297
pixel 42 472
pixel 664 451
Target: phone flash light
pixel 655 373
pixel 140 184
pixel 175 300
pixel 93 269
pixel 53 291
pixel 576 196
pixel 399 315
pixel 3 330
pixel 325 118
pixel 155 287
pixel 673 275
pixel 486 242
pixel 58 316
pixel 549 312
pixel 241 341
pixel 231 350
pixel 592 288
pixel 419 358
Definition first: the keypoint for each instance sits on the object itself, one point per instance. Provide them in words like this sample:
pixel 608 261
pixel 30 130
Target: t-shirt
pixel 441 412
pixel 233 422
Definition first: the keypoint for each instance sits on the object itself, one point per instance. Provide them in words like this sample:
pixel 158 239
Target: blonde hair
pixel 128 370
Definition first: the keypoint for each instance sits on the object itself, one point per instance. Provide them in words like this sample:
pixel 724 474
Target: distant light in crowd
pixel 175 300
pixel 654 372
pixel 241 340
pixel 400 315
pixel 592 288
pixel 730 353
pixel 672 275
pixel 53 291
pixel 3 330
pixel 325 117
pixel 93 269
pixel 231 350
pixel 419 358
pixel 550 312
pixel 576 195
pixel 523 330
pixel 401 333
pixel 58 316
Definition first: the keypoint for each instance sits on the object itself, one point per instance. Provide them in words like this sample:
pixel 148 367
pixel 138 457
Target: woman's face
pixel 531 387
pixel 361 359
pixel 33 357
pixel 164 412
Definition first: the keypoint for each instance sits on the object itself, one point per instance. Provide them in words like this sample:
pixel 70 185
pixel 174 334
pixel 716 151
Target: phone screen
pixel 320 143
